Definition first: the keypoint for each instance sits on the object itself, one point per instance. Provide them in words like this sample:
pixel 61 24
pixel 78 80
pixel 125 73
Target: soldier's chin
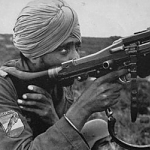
pixel 68 82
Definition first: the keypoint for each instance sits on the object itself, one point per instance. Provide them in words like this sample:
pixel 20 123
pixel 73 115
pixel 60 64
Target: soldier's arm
pixel 16 134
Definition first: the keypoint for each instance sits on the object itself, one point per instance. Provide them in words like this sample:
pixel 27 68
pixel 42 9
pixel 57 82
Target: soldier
pixel 41 114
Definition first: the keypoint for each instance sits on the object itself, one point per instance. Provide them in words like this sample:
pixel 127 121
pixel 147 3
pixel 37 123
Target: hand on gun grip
pixel 103 92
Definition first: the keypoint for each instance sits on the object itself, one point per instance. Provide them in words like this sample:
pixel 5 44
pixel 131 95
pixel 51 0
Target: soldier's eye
pixel 64 51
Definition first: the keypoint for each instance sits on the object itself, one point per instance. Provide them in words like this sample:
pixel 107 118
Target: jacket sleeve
pixel 15 133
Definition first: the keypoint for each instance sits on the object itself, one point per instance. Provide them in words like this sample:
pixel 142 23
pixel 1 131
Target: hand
pixel 40 103
pixel 102 93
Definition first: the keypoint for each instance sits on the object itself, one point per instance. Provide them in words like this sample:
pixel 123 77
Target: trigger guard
pixel 124 79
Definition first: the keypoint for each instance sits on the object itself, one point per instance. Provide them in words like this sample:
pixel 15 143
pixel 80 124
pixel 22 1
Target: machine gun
pixel 132 52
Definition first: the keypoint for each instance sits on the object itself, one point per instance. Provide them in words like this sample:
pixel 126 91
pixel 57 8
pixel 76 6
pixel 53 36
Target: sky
pixel 97 18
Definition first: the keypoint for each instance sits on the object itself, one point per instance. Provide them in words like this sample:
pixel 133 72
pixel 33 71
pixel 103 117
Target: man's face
pixel 68 50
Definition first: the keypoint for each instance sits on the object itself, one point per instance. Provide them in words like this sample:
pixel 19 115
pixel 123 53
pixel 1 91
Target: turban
pixel 43 25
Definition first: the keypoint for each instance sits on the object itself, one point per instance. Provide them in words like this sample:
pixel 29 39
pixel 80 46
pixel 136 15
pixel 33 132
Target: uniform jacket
pixel 23 131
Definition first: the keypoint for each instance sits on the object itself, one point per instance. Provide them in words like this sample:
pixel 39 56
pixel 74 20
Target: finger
pixel 103 87
pixel 33 110
pixel 111 100
pixel 115 87
pixel 34 97
pixel 109 95
pixel 107 87
pixel 111 76
pixel 37 89
pixel 27 109
pixel 109 103
pixel 114 102
pixel 27 103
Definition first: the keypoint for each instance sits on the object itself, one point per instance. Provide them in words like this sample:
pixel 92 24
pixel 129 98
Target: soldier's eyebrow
pixel 64 45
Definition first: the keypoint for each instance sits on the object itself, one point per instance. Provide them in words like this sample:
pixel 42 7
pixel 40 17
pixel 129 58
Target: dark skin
pixel 101 94
pixel 39 102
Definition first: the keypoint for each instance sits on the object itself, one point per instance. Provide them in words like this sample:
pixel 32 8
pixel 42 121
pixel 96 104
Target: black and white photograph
pixel 74 75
